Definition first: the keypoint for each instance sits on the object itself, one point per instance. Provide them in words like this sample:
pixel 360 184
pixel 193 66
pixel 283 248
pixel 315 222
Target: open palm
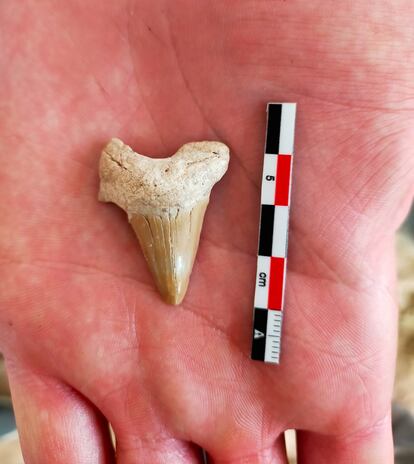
pixel 87 338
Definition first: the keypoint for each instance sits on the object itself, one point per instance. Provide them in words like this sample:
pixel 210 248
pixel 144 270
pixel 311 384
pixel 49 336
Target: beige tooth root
pixel 165 200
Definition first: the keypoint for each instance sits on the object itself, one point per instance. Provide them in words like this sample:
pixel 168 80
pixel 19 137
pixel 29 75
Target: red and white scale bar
pixel 274 221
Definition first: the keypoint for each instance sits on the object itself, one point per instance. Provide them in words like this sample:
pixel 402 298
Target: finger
pixel 275 454
pixel 157 451
pixel 141 435
pixel 372 446
pixel 56 425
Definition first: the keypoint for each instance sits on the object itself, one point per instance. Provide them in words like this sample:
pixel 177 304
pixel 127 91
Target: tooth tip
pixel 173 299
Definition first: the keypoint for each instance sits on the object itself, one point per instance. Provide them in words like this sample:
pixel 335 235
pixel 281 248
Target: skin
pixel 87 338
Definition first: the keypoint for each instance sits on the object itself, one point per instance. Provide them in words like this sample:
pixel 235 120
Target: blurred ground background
pixel 403 410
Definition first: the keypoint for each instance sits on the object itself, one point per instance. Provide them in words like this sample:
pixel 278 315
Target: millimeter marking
pixel 273 232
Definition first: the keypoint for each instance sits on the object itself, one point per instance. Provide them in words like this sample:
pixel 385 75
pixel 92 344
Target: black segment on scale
pixel 267 217
pixel 274 115
pixel 259 334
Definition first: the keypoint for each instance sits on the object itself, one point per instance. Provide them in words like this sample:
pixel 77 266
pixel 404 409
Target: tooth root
pixel 169 243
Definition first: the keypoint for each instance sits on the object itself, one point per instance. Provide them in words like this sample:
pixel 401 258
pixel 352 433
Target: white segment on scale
pixel 287 128
pixel 262 282
pixel 273 334
pixel 284 283
pixel 269 180
pixel 280 231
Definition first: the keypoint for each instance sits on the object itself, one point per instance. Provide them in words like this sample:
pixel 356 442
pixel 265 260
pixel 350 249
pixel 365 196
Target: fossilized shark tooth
pixel 165 200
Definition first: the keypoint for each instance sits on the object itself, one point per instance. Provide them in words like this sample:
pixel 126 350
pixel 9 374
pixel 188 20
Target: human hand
pixel 86 336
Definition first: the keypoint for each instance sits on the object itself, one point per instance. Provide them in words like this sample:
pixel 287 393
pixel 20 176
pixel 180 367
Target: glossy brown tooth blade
pixel 165 200
pixel 169 243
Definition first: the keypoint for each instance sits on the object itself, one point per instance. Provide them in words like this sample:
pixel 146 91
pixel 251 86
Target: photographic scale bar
pixel 273 232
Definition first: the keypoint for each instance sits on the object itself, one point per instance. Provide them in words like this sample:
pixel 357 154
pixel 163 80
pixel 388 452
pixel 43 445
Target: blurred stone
pixel 404 381
pixel 10 449
pixel 403 430
pixel 4 384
